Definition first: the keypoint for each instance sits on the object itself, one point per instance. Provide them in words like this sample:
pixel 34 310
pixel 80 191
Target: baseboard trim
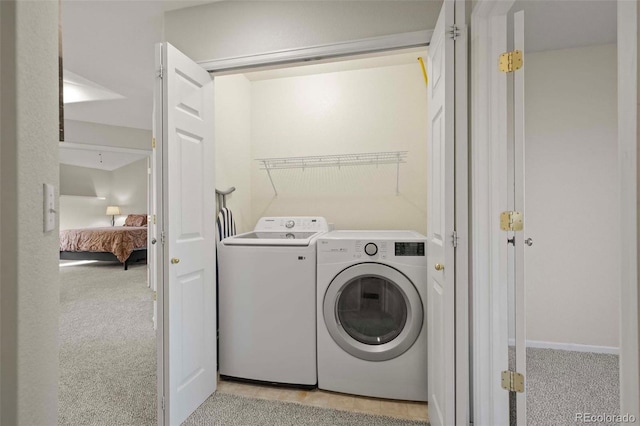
pixel 576 347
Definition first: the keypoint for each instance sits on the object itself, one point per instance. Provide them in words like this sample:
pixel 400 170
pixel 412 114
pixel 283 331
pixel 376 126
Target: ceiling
pixel 95 158
pixel 562 24
pixel 110 42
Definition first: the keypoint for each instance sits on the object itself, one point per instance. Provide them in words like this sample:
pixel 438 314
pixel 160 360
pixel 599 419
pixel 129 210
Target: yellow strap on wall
pixel 424 71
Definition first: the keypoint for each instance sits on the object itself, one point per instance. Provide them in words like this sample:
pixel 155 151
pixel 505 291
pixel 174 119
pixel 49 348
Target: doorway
pixel 107 338
pixel 360 105
pixel 492 80
pixel 565 174
pixel 191 106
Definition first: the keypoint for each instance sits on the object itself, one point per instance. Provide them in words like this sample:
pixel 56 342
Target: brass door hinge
pixel 153 143
pixel 511 221
pixel 512 381
pixel 510 61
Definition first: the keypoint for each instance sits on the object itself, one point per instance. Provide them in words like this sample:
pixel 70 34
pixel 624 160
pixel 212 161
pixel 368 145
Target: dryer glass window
pixel 372 310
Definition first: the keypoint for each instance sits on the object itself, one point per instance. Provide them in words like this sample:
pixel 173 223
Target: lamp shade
pixel 112 210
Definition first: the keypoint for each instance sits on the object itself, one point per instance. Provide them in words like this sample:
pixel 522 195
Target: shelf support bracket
pixel 266 166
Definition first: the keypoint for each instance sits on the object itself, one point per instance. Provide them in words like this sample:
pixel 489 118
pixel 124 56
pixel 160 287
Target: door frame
pixel 371 45
pixel 489 198
pixel 628 21
pixel 159 264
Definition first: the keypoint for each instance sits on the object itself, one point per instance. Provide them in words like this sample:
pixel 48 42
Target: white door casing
pixel 440 222
pixel 462 292
pixel 627 39
pixel 519 205
pixel 158 251
pixel 187 290
pixel 156 129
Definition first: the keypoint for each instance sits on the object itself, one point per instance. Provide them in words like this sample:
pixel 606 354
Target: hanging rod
pixel 340 160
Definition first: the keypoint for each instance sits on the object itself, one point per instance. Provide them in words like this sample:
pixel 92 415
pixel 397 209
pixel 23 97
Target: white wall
pixel 106 135
pixel 236 28
pixel 129 189
pixel 80 186
pixel 367 110
pixel 233 145
pixel 571 196
pixel 29 283
pixel 78 212
pixel 84 181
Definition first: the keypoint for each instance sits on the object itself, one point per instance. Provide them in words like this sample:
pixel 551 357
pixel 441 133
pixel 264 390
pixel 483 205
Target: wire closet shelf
pixel 339 160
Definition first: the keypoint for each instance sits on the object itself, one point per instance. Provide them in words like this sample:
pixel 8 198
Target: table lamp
pixel 113 211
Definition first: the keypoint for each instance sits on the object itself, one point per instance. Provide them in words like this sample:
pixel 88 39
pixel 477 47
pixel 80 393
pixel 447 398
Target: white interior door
pixel 187 297
pixel 440 222
pixel 519 205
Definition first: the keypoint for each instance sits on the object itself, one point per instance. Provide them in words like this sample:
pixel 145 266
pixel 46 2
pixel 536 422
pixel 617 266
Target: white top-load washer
pixel 371 307
pixel 267 297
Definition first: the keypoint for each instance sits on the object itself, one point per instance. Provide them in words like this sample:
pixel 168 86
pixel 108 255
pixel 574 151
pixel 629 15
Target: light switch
pixel 49 193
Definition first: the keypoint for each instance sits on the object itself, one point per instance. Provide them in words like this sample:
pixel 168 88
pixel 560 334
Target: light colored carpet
pixel 232 410
pixel 108 361
pixel 563 383
pixel 107 346
pixel 108 367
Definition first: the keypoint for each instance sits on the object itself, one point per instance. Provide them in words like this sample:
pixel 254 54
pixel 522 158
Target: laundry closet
pixel 345 140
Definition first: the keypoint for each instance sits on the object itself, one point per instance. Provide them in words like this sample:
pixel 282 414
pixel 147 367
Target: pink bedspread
pixel 119 240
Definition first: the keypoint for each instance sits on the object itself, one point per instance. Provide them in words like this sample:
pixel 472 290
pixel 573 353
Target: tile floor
pixel 392 408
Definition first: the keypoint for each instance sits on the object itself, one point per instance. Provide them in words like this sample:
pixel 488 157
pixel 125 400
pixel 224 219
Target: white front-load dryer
pixel 371 308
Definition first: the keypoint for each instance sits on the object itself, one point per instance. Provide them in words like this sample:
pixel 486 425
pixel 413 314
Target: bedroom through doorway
pixel 107 335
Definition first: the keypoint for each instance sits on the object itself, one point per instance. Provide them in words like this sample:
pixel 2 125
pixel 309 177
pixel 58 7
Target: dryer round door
pixel 373 311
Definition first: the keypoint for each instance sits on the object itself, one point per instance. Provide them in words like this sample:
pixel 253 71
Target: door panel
pixel 440 222
pixel 189 297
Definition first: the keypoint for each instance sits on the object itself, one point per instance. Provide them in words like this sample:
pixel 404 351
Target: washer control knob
pixel 290 224
pixel 371 249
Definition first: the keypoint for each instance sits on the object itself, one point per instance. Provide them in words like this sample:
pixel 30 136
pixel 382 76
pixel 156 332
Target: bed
pixel 124 244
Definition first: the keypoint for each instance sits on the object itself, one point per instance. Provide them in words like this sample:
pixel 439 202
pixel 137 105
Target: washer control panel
pixel 275 224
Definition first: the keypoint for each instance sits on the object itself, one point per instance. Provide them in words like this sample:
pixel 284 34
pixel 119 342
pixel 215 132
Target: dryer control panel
pixel 409 249
pixel 337 246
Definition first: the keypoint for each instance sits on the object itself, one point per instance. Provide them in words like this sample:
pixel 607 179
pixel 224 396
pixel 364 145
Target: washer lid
pixel 255 238
pixel 292 224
